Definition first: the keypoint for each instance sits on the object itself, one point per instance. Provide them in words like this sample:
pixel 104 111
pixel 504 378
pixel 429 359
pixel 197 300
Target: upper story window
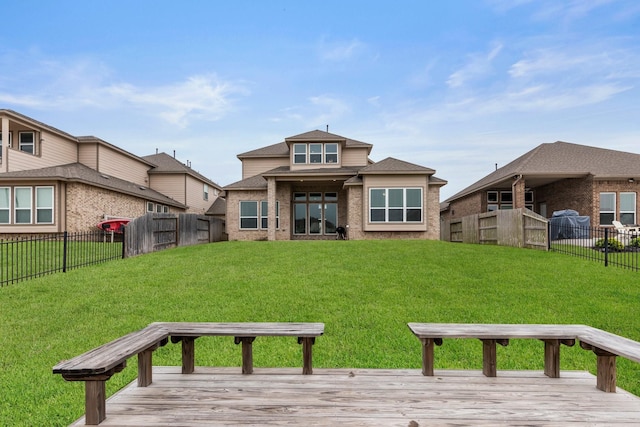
pixel 315 153
pixel 27 142
pixel 205 191
pixel 5 205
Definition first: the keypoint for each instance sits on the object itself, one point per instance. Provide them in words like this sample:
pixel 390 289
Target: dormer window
pixel 27 141
pixel 315 153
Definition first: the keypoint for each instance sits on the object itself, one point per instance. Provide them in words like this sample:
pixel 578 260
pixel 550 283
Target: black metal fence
pixel 26 258
pixel 605 245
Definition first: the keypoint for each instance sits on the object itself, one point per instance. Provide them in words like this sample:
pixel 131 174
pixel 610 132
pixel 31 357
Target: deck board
pixel 367 397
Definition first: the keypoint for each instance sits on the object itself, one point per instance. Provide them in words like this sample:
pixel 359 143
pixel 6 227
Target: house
pixel 595 182
pixel 310 185
pixel 51 181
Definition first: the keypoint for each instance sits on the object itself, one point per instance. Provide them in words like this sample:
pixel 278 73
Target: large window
pixel 315 213
pixel 607 208
pixel 5 205
pixel 27 142
pixel 315 153
pixel 254 215
pixel 44 205
pixel 395 205
pixel 628 208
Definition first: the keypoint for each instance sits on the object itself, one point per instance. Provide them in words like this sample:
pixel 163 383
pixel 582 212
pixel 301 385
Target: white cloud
pixel 478 66
pixel 340 51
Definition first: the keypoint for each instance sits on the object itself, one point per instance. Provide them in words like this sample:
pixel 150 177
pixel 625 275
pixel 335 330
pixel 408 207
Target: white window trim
pixel 634 206
pixel 8 208
pixel 15 208
pixel 240 216
pixel 404 205
pixel 306 154
pixel 600 211
pixel 32 143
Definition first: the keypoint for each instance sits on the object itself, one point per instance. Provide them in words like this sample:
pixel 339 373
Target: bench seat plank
pixel 494 331
pixel 241 329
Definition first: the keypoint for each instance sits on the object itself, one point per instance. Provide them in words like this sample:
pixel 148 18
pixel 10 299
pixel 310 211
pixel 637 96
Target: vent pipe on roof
pixel 156 150
pixel 327 128
pixel 496 166
pixel 174 154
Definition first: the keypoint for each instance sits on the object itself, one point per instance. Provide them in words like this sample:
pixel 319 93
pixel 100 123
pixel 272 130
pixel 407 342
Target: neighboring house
pixel 307 186
pixel 596 182
pixel 51 181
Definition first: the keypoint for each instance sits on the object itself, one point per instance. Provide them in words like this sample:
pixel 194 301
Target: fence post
pixel 606 247
pixel 124 231
pixel 64 252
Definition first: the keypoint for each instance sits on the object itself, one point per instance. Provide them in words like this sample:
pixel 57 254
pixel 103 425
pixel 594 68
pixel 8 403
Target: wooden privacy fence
pixel 520 228
pixel 154 232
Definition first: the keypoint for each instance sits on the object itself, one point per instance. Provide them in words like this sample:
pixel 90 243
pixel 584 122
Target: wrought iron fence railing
pixel 601 244
pixel 26 258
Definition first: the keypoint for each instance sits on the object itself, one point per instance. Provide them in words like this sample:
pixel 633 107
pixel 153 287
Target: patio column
pixel 518 190
pixel 271 202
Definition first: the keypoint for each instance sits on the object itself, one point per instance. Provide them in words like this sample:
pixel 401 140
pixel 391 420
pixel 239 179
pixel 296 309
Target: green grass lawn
pixel 364 291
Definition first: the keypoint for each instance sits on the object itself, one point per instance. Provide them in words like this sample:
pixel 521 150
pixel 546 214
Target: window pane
pixel 300 153
pixel 506 196
pixel 330 218
pixel 331 153
pixel 4 198
pixel 628 202
pixel 4 216
pixel 249 209
pixel 264 208
pixel 44 197
pixel 396 197
pixel 300 218
pixel 315 218
pixel 414 197
pixel 315 153
pixel 23 198
pixel 149 207
pixel 395 215
pixel 377 198
pixel 330 197
pixel 628 218
pixel 492 196
pixel 606 218
pixel 44 216
pixel 23 216
pixel 377 215
pixel 607 202
pixel 315 197
pixel 414 215
pixel 299 196
pixel 249 223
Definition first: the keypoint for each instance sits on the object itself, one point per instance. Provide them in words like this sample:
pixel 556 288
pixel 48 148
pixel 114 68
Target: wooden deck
pixel 367 397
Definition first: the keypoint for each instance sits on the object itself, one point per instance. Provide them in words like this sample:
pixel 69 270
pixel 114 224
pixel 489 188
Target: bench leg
pixel 307 356
pixel 247 353
pixel 94 402
pixel 144 368
pixel 552 358
pixel 489 356
pixel 606 370
pixel 188 355
pixel 427 356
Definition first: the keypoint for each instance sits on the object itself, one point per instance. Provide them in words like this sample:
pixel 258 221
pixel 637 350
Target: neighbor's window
pixel 5 205
pixel 44 205
pixel 299 153
pixel 607 208
pixel 205 192
pixel 248 215
pixel 315 153
pixel 26 142
pixel 331 153
pixel 395 204
pixel 22 207
pixel 628 208
pixel 149 206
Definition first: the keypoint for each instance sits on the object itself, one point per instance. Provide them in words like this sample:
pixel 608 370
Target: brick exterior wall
pixel 468 205
pixel 87 205
pixel 622 186
pixel 572 193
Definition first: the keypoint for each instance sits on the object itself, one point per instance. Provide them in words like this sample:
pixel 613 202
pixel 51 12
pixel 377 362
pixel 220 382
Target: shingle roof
pixel 76 172
pixel 391 165
pixel 166 164
pixel 218 207
pixel 562 159
pixel 281 149
pixel 253 183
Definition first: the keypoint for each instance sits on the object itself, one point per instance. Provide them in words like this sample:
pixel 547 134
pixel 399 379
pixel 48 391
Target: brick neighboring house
pixel 307 186
pixel 51 181
pixel 600 183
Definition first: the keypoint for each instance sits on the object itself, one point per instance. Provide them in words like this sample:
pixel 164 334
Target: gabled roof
pixel 35 123
pixel 219 207
pixel 77 172
pixel 281 149
pixel 95 140
pixel 166 164
pixel 562 160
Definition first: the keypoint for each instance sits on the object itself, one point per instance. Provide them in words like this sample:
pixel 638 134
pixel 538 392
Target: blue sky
pixel 457 86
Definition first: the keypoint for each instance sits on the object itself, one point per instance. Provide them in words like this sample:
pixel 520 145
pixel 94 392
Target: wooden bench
pixel 244 333
pixel 96 366
pixel 605 345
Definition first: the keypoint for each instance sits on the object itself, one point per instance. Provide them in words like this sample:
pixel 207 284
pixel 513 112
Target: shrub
pixel 635 242
pixel 613 244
